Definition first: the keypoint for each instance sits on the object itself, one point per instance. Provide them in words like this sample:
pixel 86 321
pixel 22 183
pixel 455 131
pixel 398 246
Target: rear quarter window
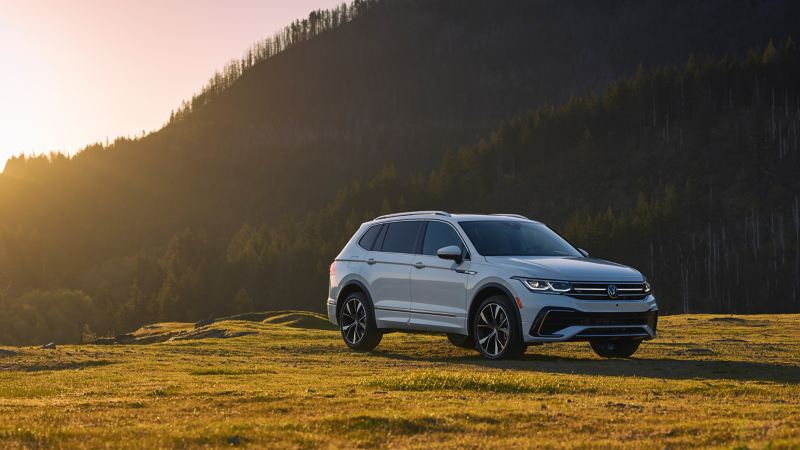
pixel 367 241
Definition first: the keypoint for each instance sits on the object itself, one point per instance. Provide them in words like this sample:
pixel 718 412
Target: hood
pixel 570 268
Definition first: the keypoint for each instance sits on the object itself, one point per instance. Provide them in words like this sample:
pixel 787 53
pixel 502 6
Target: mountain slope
pixel 400 84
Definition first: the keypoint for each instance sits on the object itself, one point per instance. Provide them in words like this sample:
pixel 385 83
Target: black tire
pixel 357 323
pixel 461 341
pixel 615 348
pixel 502 320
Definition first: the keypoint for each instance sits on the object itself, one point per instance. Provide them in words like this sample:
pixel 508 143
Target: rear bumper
pixel 331 303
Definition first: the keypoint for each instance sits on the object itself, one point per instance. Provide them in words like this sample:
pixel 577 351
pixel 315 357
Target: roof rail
pixel 414 213
pixel 518 216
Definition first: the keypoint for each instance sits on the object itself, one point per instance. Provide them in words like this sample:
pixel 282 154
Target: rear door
pixel 439 286
pixel 388 270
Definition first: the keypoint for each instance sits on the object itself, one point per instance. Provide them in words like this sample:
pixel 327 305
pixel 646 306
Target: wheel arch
pixel 485 291
pixel 348 288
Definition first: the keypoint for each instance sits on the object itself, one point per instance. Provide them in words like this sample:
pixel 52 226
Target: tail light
pixel 332 269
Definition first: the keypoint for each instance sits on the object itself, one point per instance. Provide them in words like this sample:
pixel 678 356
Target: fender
pixel 492 284
pixel 353 282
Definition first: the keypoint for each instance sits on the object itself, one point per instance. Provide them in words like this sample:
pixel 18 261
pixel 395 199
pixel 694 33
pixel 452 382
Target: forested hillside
pixel 686 168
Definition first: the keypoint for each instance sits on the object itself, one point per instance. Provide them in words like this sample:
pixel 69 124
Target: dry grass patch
pixel 704 383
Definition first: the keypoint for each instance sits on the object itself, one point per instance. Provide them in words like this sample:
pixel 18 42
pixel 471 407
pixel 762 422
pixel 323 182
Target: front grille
pixel 550 321
pixel 599 291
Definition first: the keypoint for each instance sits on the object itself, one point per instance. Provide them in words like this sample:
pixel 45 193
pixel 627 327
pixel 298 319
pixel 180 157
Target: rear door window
pixel 401 237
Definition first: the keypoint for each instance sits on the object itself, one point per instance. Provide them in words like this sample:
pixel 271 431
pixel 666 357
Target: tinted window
pixel 401 237
pixel 368 239
pixel 507 238
pixel 439 235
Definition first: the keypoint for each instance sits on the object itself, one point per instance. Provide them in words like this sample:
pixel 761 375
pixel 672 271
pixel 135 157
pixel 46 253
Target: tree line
pixel 685 172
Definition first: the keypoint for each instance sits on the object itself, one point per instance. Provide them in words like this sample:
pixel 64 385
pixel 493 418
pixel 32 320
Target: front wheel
pixel 357 323
pixel 497 329
pixel 615 348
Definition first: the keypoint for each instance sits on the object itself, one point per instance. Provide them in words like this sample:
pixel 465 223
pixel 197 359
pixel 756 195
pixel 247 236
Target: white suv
pixel 496 283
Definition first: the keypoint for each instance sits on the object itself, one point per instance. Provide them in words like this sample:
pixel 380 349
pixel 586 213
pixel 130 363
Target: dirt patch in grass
pixel 230 371
pixel 511 384
pixel 215 333
pixel 696 351
pixel 738 321
pixel 54 365
pixel 296 319
pixel 385 425
pixel 4 353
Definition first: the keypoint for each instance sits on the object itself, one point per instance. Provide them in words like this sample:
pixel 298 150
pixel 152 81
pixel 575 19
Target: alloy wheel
pixel 493 329
pixel 354 321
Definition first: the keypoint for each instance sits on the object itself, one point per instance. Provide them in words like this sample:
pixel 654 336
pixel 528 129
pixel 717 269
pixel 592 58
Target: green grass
pixel 707 381
pixel 502 383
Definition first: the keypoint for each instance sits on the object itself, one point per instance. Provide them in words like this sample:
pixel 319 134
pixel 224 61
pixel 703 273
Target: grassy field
pixel 707 381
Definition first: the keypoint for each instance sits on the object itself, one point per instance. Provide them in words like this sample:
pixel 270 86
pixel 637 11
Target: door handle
pixel 419 265
pixel 371 261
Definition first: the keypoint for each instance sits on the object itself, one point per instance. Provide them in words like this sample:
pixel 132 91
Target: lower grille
pixel 550 321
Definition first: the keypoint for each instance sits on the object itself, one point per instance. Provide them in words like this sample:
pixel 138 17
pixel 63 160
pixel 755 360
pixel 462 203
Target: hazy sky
pixel 73 72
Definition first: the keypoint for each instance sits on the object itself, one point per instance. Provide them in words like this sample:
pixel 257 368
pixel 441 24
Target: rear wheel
pixel 461 341
pixel 357 323
pixel 497 330
pixel 615 348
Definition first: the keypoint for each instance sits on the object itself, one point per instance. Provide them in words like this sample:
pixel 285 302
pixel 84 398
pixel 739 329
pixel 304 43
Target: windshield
pixel 513 238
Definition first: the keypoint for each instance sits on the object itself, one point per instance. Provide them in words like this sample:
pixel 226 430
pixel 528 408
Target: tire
pixel 496 319
pixel 461 341
pixel 615 348
pixel 357 323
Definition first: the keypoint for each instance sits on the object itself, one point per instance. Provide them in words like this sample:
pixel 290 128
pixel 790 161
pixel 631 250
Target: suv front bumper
pixel 558 318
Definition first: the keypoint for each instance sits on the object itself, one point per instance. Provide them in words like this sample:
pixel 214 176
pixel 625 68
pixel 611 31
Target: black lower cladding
pixel 551 320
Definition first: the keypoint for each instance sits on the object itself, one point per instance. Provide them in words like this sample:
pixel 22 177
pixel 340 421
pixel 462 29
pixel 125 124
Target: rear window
pixel 401 237
pixel 368 239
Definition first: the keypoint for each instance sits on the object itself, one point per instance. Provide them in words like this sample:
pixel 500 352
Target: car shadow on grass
pixel 665 368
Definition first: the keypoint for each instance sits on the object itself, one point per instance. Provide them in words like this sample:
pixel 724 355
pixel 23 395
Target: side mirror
pixel 451 252
pixel 584 252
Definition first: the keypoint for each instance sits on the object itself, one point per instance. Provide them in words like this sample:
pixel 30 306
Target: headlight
pixel 545 286
pixel 646 287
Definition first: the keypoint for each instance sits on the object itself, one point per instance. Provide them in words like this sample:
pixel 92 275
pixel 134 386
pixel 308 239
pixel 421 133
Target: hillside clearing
pixel 707 381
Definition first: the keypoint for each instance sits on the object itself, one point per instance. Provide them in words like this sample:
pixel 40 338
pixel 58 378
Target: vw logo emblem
pixel 611 290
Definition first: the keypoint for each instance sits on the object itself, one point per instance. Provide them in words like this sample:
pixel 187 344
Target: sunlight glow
pixel 77 72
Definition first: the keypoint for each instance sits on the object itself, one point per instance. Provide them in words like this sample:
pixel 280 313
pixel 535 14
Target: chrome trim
pixel 431 313
pixel 598 291
pixel 415 311
pixel 383 308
